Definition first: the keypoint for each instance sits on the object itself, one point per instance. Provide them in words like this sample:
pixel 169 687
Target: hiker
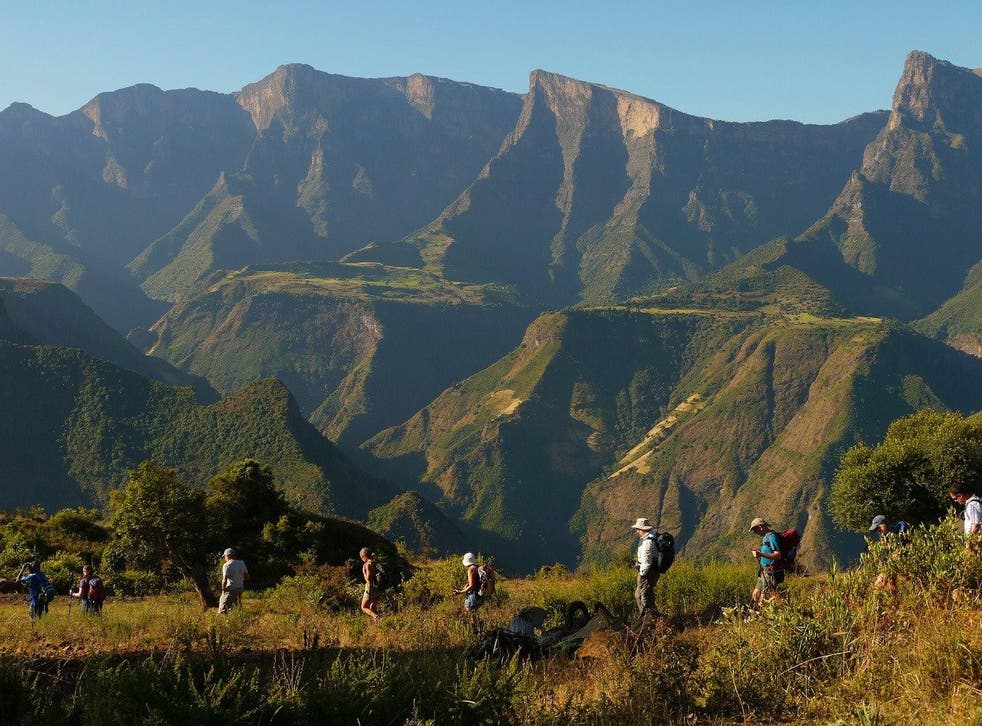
pixel 40 590
pixel 472 589
pixel 890 531
pixel 234 575
pixel 369 599
pixel 770 573
pixel 644 592
pixel 90 591
pixel 961 494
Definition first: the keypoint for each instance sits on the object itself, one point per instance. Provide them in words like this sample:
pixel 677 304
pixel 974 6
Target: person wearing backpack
pixel 91 591
pixel 769 560
pixel 473 589
pixel 961 494
pixel 234 575
pixel 647 564
pixel 40 590
pixel 369 599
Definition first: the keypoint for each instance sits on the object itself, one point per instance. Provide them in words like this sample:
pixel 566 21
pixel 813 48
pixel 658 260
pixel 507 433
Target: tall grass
pixel 895 640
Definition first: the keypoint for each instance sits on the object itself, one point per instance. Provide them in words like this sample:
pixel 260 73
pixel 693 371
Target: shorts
pixel 473 601
pixel 371 594
pixel 768 579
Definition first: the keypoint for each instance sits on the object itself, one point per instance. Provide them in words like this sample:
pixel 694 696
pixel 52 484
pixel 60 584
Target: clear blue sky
pixel 816 62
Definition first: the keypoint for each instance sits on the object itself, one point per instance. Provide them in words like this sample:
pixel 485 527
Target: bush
pixel 704 590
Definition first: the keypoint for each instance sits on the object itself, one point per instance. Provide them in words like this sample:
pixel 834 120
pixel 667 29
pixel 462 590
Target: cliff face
pixel 907 226
pixel 622 195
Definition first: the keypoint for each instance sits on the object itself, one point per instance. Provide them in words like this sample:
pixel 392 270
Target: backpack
pixel 486 575
pixel 665 545
pixel 382 579
pixel 97 590
pixel 788 542
pixel 47 589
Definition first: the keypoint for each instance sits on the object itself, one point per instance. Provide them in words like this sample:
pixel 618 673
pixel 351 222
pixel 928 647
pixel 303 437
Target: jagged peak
pixel 929 88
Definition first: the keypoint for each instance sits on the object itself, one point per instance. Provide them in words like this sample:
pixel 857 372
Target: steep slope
pixel 73 425
pixel 509 450
pixel 959 321
pixel 414 521
pixel 96 186
pixel 336 162
pixel 598 194
pixel 777 405
pixel 907 227
pixel 327 163
pixel 361 346
pixel 53 315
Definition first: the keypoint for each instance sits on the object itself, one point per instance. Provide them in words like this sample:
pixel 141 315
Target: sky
pixel 736 61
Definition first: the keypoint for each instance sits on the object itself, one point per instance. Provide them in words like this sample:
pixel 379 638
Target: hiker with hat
pixel 770 573
pixel 964 496
pixel 644 592
pixel 234 575
pixel 473 587
pixel 889 531
pixel 40 590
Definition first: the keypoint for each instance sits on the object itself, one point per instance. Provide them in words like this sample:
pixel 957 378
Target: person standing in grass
pixel 644 591
pixel 90 591
pixel 961 494
pixel 369 599
pixel 770 573
pixel 234 576
pixel 473 587
pixel 38 590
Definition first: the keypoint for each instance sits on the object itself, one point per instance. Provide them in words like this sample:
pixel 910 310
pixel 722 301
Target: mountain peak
pixel 932 92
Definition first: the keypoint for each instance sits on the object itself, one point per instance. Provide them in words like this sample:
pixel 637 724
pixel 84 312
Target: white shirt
pixel 233 572
pixel 646 553
pixel 973 513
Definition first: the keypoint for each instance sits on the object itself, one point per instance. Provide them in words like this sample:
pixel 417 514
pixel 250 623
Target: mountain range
pixel 532 318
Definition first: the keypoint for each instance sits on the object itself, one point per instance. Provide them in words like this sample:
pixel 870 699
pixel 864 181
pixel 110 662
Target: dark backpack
pixel 788 542
pixel 97 590
pixel 382 579
pixel 665 545
pixel 47 589
pixel 486 575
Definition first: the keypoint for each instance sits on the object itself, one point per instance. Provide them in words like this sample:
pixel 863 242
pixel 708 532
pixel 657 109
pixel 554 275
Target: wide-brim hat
pixel 757 522
pixel 642 524
pixel 469 559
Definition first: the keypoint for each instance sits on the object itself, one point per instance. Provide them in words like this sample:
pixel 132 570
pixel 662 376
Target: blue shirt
pixel 35 581
pixel 769 544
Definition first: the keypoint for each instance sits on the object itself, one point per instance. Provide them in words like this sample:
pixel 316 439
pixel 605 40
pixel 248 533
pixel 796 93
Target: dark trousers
pixel 644 593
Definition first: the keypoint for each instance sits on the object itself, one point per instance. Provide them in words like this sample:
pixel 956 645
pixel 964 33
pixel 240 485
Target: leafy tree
pixel 158 520
pixel 241 504
pixel 908 475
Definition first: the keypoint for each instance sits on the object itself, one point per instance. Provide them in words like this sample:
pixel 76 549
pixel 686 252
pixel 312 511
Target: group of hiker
pixel 775 557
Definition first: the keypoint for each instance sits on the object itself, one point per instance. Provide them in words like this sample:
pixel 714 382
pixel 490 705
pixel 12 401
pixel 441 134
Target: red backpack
pixel 97 590
pixel 788 542
pixel 486 575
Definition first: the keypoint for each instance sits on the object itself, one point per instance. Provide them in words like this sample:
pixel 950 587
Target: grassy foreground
pixel 898 639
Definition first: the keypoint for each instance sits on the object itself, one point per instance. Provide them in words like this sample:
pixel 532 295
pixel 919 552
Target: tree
pixel 159 521
pixel 908 475
pixel 241 503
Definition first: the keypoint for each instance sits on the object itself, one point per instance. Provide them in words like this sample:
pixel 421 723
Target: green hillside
pixel 959 321
pixel 73 425
pixel 509 450
pixel 53 315
pixel 361 346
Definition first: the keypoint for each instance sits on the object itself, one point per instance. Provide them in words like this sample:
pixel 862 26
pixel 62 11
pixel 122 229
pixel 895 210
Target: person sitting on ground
pixel 890 531
pixel 37 584
pixel 770 574
pixel 473 587
pixel 234 575
pixel 961 494
pixel 86 592
pixel 369 599
pixel 644 591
